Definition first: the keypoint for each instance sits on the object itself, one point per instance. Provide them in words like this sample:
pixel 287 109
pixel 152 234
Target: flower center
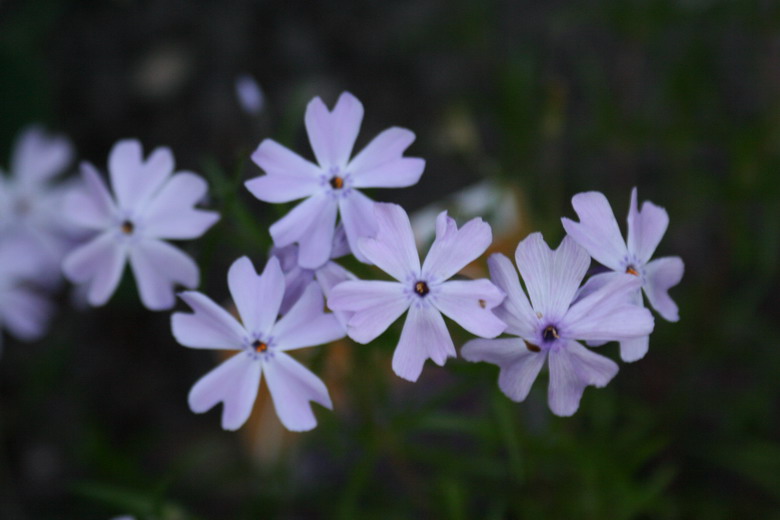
pixel 550 333
pixel 336 182
pixel 632 270
pixel 127 227
pixel 259 346
pixel 421 288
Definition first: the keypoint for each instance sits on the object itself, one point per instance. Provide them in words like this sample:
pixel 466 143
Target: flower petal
pixel 100 263
pixel 329 276
pixel 289 176
pixel 210 327
pixel 311 224
pixel 257 298
pixel 357 217
pixel 376 304
pixel 608 313
pixel 234 383
pixel 597 231
pixel 645 228
pixel 25 313
pixel 455 248
pixel 157 267
pixel 519 365
pixel 133 179
pixel 515 310
pixel 469 304
pixel 332 134
pixel 572 368
pixel 663 274
pixel 381 165
pixel 90 205
pixel 425 336
pixel 37 157
pixel 307 324
pixel 393 250
pixel 634 349
pixel 170 213
pixel 292 387
pixel 551 277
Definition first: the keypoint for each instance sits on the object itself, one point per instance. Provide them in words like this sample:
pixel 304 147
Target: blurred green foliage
pixel 678 98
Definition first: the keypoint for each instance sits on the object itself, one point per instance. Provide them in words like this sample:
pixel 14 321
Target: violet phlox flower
pixel 331 185
pixel 549 326
pixel 263 343
pixel 328 275
pixel 30 200
pixel 150 204
pixel 598 232
pixel 425 291
pixel 25 310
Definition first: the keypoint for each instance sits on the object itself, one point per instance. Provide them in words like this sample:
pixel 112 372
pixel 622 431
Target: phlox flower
pixel 549 326
pixel 31 203
pixel 263 343
pixel 598 232
pixel 328 275
pixel 150 204
pixel 331 185
pixel 425 291
pixel 24 309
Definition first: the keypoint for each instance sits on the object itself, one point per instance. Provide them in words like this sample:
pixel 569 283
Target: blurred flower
pixel 328 275
pixel 149 205
pixel 24 310
pixel 250 95
pixel 31 205
pixel 264 343
pixel 424 291
pixel 598 232
pixel 548 327
pixel 330 186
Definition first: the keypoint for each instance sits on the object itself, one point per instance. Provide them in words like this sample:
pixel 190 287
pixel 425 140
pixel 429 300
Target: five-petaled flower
pixel 425 291
pixel 598 232
pixel 330 187
pixel 263 343
pixel 151 205
pixel 549 326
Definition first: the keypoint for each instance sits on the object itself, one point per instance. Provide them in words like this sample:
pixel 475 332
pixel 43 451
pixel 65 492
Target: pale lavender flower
pixel 598 232
pixel 263 342
pixel 31 203
pixel 330 187
pixel 328 275
pixel 549 326
pixel 150 205
pixel 25 311
pixel 424 291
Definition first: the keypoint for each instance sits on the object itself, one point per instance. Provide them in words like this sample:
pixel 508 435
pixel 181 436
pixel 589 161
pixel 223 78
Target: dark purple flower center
pixel 336 182
pixel 259 346
pixel 421 288
pixel 550 333
pixel 632 270
pixel 127 227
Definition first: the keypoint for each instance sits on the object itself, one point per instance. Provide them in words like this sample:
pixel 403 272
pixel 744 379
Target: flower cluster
pixel 283 309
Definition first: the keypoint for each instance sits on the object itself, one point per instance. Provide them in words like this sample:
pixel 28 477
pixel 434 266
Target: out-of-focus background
pixel 680 98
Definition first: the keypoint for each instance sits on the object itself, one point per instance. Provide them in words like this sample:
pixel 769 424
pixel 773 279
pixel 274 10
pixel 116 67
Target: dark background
pixel 679 98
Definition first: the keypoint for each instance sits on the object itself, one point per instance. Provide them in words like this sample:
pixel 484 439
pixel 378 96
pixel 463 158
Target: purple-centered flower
pixel 330 186
pixel 549 326
pixel 425 291
pixel 598 232
pixel 150 205
pixel 328 275
pixel 263 342
pixel 31 203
